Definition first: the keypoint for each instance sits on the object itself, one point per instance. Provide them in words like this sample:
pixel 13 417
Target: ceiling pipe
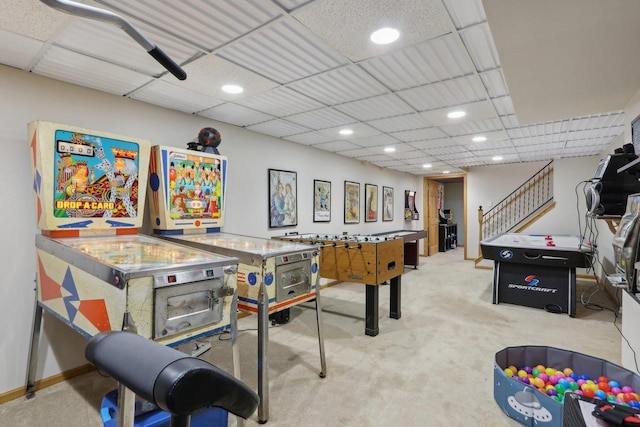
pixel 90 12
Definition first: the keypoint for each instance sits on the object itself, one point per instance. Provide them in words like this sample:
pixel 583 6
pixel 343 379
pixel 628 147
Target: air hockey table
pixel 537 270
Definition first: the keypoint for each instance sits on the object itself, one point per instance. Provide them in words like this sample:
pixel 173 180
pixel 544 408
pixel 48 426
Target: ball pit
pixel 555 382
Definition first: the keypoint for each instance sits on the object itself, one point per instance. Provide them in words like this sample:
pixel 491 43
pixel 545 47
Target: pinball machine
pixel 95 272
pixel 187 189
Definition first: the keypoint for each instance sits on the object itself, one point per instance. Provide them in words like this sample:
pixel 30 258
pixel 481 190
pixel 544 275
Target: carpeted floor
pixel 432 367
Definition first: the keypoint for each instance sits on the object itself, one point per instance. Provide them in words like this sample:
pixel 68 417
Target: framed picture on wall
pixel 321 201
pixel 351 202
pixel 387 203
pixel 371 202
pixel 283 198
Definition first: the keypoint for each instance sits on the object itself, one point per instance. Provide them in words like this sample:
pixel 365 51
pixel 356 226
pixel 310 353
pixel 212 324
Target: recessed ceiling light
pixel 496 158
pixel 479 138
pixel 426 166
pixel 389 149
pixel 346 132
pixel 446 171
pixel 456 114
pixel 385 35
pixel 232 89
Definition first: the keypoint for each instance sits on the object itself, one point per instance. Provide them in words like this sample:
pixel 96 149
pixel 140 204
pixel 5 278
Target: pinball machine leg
pixel 235 356
pixel 371 318
pixel 323 363
pixel 263 337
pixel 395 297
pixel 32 364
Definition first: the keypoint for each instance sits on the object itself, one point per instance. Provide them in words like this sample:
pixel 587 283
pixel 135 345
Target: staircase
pixel 525 205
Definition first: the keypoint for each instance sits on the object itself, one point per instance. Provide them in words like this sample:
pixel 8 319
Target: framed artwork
pixel 321 201
pixel 371 202
pixel 387 203
pixel 283 198
pixel 351 202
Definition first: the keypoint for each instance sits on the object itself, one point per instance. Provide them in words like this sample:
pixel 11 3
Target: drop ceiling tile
pixel 465 13
pixel 410 154
pixel 32 18
pixel 427 145
pixel 208 73
pixel 548 147
pixel 360 130
pixel 590 143
pixel 338 86
pixel 16 50
pixel 504 107
pixel 420 159
pixel 291 5
pixel 81 70
pixel 400 123
pixel 498 151
pixel 473 128
pixel 346 25
pixel 309 138
pixel 374 108
pixel 494 136
pixel 489 145
pixel 375 158
pixel 509 121
pixel 446 94
pixel 283 51
pixel 399 148
pixel 581 151
pixel 479 42
pixel 321 119
pixel 495 83
pixel 450 149
pixel 174 97
pixel 436 60
pixel 278 128
pixel 419 134
pixel 336 146
pixel 374 140
pixel 359 152
pixel 612 119
pixel 280 102
pixel 110 43
pixel 388 163
pixel 204 24
pixel 556 128
pixel 235 114
pixel 592 133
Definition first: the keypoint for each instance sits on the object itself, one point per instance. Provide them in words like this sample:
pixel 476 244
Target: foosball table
pixel 366 259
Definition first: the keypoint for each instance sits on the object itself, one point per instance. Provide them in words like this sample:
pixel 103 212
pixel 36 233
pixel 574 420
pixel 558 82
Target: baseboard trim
pixel 47 382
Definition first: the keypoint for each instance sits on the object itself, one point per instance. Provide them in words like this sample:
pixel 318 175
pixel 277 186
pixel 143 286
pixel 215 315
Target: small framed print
pixel 321 201
pixel 351 202
pixel 371 202
pixel 283 195
pixel 387 203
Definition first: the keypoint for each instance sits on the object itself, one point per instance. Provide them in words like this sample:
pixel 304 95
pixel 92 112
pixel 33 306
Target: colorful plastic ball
pixel 574 386
pixel 538 383
pixel 508 372
pixel 588 392
pixel 583 377
pixel 550 371
pixel 543 376
pixel 627 389
pixel 616 390
pixel 611 398
pixel 600 394
pixel 623 404
pixel 567 371
pixel 619 400
pixel 552 392
pixel 603 379
pixel 604 386
pixel 540 368
pixel 614 384
pixel 522 373
pixel 553 379
pixel 513 368
pixel 581 382
pixel 579 392
pixel 524 380
pixel 634 404
pixel 535 372
pixel 563 382
pixel 561 389
pixel 574 376
pixel 527 369
pixel 558 398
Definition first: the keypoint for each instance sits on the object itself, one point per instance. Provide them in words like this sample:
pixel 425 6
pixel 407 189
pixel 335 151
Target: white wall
pixel 27 97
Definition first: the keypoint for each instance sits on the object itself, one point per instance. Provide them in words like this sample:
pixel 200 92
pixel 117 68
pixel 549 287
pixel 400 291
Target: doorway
pixel 431 221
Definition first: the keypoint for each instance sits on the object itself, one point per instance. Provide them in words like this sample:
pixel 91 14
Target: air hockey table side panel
pixel 532 249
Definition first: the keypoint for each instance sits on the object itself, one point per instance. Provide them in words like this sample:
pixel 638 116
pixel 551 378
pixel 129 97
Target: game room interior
pixel 326 278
